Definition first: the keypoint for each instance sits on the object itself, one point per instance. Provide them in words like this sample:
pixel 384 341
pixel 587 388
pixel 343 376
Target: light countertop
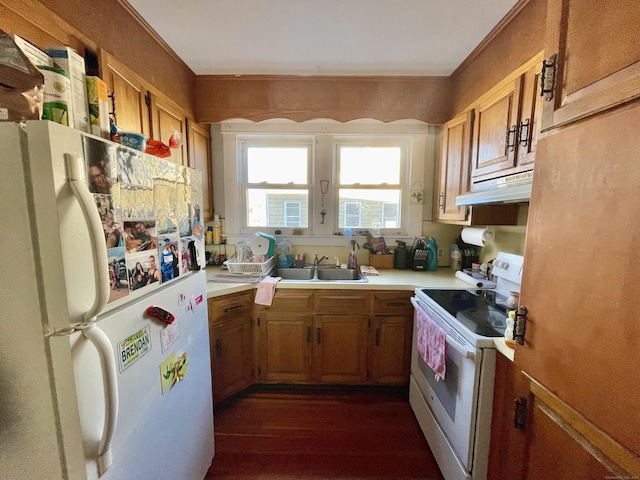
pixel 388 279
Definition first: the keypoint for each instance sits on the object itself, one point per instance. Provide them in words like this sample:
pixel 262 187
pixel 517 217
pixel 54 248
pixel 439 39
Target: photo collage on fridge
pixel 150 210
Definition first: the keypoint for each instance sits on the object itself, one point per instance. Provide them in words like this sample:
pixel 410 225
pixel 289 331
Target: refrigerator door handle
pixel 101 342
pixel 75 175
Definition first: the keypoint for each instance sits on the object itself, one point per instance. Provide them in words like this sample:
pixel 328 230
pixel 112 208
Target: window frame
pixel 226 137
pixel 274 141
pixel 379 141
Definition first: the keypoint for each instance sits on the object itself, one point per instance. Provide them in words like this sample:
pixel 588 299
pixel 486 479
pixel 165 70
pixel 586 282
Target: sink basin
pixel 321 274
pixel 339 274
pixel 295 273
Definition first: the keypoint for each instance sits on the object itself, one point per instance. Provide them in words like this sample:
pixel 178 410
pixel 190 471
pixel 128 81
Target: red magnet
pixel 161 314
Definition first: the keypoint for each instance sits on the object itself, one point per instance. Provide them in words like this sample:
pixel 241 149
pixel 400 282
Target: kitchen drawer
pixel 392 303
pixel 342 302
pixel 221 309
pixel 283 301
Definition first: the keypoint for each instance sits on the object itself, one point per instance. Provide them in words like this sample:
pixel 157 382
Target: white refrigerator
pixel 104 344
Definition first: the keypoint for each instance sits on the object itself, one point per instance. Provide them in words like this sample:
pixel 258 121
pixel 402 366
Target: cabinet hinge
pixel 548 77
pixel 147 99
pixel 520 415
pixel 520 325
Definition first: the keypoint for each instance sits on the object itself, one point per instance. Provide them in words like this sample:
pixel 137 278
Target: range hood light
pixel 513 189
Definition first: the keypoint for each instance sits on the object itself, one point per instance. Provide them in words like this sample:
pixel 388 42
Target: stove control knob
pixel 504 265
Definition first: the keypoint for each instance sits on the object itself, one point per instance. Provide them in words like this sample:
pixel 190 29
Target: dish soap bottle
pixel 508 332
pixel 217 230
pixel 432 264
pixel 283 252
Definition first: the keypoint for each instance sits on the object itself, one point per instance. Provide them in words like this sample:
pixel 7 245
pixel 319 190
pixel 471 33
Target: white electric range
pixel 455 413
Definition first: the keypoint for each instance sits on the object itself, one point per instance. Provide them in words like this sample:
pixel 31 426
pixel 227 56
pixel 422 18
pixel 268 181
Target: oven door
pixel 452 401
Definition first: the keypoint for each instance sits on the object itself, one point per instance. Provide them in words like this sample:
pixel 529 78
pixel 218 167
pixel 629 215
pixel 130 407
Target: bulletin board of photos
pixel 150 210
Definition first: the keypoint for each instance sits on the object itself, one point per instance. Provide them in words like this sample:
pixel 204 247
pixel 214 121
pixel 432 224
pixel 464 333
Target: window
pixel 318 178
pixel 352 214
pixel 371 176
pixel 389 215
pixel 276 182
pixel 292 214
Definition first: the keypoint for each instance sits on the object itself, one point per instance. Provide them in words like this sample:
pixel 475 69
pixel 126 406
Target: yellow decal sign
pixel 132 348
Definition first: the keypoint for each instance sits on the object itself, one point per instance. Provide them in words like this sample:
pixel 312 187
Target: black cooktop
pixel 483 312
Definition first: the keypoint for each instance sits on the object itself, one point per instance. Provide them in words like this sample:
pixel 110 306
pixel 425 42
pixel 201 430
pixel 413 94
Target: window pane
pixel 370 165
pixel 266 207
pixel 370 208
pixel 277 165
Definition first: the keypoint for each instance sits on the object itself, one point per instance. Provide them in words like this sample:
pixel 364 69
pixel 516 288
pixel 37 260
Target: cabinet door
pixel 130 96
pixel 285 347
pixel 562 445
pixel 232 357
pixel 598 57
pixel 199 147
pixel 167 118
pixel 507 452
pixel 530 121
pixel 581 338
pixel 391 349
pixel 453 169
pixel 340 348
pixel 495 132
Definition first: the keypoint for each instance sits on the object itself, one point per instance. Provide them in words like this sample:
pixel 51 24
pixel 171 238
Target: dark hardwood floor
pixel 308 433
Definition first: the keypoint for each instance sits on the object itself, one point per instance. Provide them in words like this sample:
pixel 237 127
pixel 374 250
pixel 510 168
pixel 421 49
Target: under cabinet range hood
pixel 510 189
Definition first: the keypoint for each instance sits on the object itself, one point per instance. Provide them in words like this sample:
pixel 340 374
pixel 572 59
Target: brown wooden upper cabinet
pixel 166 117
pixel 129 96
pixel 593 58
pixel 453 168
pixel 199 149
pixel 506 127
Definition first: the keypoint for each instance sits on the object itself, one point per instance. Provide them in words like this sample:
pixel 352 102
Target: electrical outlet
pixel 440 252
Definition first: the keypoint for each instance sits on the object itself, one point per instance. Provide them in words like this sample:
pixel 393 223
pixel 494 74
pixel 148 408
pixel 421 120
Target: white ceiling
pixel 323 37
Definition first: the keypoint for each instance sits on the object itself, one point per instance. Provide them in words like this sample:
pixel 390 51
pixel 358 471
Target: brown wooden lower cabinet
pixel 335 337
pixel 390 358
pixel 552 439
pixel 231 344
pixel 284 346
pixel 340 348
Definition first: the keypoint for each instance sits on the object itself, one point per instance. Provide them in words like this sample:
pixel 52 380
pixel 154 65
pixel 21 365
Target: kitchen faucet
pixel 317 260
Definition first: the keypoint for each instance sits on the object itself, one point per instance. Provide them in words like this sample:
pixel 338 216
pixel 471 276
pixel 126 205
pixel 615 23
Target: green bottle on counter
pixel 432 265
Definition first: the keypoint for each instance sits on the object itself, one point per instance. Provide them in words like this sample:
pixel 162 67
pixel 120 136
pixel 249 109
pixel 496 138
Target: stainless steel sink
pixel 321 274
pixel 295 273
pixel 340 274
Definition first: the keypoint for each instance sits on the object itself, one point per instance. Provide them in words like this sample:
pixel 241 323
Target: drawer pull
pixel 233 309
pixel 397 304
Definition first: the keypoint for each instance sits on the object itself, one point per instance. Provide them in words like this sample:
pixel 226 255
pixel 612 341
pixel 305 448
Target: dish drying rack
pixel 251 268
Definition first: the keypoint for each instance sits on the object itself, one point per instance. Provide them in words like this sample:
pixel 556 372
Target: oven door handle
pixel 450 340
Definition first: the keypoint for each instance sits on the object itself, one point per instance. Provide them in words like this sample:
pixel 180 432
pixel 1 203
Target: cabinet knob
pixel 441 200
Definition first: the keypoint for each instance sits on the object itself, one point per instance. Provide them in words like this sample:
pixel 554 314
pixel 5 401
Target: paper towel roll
pixel 476 236
pixel 476 282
